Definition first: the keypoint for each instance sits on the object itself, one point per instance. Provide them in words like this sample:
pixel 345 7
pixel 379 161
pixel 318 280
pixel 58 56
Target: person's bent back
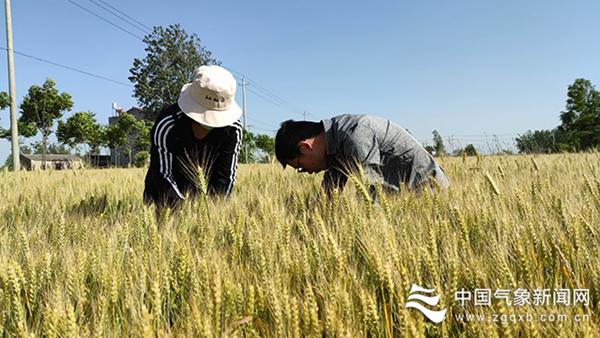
pixel 387 153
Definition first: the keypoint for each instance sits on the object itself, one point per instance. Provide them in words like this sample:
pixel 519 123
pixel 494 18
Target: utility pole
pixel 11 84
pixel 244 110
pixel 305 114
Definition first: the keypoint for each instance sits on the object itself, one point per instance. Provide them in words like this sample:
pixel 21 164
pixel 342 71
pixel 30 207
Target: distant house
pixel 53 161
pixel 118 156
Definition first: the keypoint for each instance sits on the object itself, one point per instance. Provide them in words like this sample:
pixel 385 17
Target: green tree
pixel 25 130
pixel 117 135
pixel 4 103
pixel 97 139
pixel 51 148
pixel 41 107
pixel 430 149
pixel 115 138
pixel 80 128
pixel 438 144
pixel 265 143
pixel 580 121
pixel 248 146
pixel 172 55
pixel 469 150
pixel 538 141
pixel 141 158
pixel 4 100
pixel 128 125
pixel 23 150
pixel 142 139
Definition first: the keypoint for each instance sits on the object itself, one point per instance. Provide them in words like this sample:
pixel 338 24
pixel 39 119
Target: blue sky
pixel 466 68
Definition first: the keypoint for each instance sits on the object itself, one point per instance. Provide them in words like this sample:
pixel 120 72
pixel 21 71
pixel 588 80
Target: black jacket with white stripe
pixel 177 158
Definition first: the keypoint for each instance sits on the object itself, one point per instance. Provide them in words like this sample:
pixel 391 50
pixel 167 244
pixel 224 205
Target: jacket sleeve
pixel 165 188
pixel 223 172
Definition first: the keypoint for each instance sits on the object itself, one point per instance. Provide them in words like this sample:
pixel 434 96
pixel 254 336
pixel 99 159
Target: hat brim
pixel 205 116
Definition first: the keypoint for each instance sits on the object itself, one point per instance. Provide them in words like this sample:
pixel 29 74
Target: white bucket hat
pixel 210 98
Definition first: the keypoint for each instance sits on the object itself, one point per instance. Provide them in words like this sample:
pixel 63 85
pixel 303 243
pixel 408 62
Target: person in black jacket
pixel 195 142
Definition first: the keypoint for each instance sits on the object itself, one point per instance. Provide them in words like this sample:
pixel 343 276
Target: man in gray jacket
pixel 387 153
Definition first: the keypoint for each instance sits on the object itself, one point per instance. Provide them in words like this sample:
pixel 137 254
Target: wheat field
pixel 80 255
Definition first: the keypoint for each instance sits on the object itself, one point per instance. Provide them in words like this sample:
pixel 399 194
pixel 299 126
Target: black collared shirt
pixel 177 158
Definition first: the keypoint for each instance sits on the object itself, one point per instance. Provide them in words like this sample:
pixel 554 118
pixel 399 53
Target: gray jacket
pixel 387 153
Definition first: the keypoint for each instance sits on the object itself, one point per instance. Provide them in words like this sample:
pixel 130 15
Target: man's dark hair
pixel 288 136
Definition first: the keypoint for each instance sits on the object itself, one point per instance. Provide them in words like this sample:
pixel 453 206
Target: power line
pixel 481 138
pixel 271 127
pixel 264 93
pixel 260 128
pixel 268 99
pixel 139 23
pixel 457 139
pixel 274 98
pixel 71 68
pixel 106 20
pixel 120 17
pixel 478 135
pixel 271 101
pixel 282 102
pixel 263 123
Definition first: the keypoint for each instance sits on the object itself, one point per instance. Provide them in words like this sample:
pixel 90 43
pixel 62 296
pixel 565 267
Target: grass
pixel 80 255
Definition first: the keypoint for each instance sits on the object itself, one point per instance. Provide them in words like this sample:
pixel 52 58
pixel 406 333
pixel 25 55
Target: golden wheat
pixel 80 254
